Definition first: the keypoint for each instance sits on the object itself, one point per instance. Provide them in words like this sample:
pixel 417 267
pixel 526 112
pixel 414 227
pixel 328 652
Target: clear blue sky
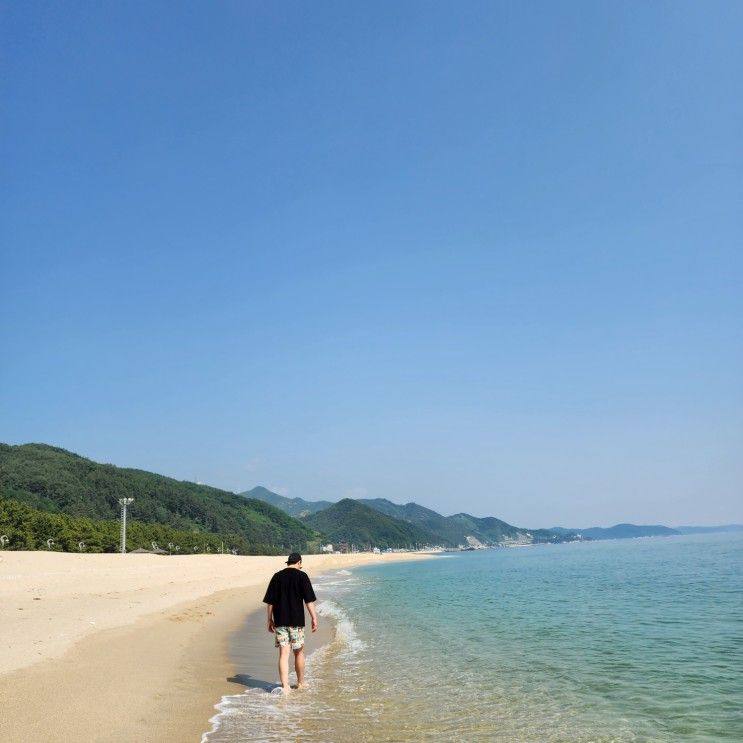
pixel 484 256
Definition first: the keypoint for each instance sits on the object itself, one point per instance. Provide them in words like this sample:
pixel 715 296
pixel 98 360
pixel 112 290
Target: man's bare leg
pixel 284 668
pixel 299 666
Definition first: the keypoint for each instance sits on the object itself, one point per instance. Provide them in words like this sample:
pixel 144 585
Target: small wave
pixel 345 631
pixel 256 715
pixel 344 572
pixel 343 582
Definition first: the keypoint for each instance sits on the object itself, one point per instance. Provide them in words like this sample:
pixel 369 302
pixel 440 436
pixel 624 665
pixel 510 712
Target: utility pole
pixel 124 502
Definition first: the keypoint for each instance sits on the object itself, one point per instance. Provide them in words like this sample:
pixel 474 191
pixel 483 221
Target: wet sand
pixel 112 648
pixel 253 654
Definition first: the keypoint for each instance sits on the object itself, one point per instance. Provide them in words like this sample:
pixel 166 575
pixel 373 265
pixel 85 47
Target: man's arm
pixel 268 600
pixel 269 617
pixel 311 609
pixel 309 600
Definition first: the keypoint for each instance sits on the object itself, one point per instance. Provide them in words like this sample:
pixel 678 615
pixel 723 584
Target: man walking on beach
pixel 287 592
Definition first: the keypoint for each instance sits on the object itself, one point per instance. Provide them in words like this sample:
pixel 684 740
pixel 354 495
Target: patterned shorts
pixel 293 636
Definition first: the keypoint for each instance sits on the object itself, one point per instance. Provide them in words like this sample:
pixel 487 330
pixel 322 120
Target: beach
pixel 596 642
pixel 112 647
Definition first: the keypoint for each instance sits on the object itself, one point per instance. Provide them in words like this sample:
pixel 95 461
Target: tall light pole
pixel 124 502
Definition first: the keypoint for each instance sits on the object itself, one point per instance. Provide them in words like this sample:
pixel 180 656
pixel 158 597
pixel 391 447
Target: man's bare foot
pixel 286 689
pixel 299 687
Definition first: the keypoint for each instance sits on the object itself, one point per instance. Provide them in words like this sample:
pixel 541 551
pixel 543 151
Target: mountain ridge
pixel 449 531
pixel 453 530
pixel 53 480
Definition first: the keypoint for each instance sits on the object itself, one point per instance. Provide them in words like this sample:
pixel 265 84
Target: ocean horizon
pixel 628 640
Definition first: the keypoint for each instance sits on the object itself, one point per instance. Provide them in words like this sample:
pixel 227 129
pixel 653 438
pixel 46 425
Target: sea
pixel 623 640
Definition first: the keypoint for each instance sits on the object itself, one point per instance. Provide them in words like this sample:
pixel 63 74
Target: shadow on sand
pixel 248 681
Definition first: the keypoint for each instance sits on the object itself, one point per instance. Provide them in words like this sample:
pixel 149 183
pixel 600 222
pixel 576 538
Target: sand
pixel 113 648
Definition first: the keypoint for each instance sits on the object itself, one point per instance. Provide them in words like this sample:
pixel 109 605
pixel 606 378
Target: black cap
pixel 295 557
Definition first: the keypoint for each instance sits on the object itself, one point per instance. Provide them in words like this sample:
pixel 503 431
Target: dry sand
pixel 113 648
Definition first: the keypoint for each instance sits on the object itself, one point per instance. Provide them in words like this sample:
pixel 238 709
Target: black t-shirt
pixel 287 592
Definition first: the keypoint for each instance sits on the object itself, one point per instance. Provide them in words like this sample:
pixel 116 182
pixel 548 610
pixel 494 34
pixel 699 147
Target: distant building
pixel 327 548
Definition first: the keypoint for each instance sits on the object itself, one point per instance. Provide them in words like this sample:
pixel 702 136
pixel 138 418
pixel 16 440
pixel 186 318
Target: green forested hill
pixel 57 481
pixel 356 523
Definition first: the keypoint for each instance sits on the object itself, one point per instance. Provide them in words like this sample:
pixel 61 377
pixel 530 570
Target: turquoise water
pixel 631 640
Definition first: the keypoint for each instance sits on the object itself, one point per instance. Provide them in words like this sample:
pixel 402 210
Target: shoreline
pixel 133 661
pixel 254 658
pixel 250 649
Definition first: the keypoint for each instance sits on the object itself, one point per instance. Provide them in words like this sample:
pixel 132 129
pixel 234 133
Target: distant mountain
pixel 620 531
pixel 709 529
pixel 53 480
pixel 447 531
pixel 489 529
pixel 353 522
pixel 297 507
pixel 454 530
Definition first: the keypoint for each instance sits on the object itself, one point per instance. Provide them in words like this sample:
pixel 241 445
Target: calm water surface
pixel 630 640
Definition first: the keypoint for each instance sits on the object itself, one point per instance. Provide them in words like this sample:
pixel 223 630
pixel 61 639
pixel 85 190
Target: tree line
pixel 27 528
